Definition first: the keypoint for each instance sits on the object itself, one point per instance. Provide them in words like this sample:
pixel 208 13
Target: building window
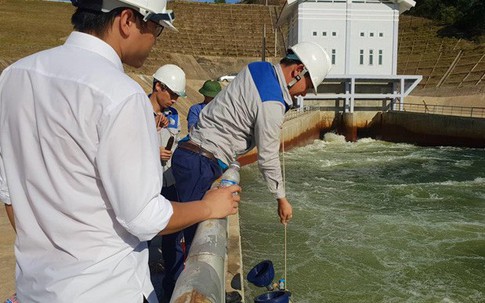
pixel 362 34
pixel 380 57
pixel 324 34
pixel 334 34
pixel 381 35
pixel 371 34
pixel 361 60
pixel 334 54
pixel 314 33
pixel 371 57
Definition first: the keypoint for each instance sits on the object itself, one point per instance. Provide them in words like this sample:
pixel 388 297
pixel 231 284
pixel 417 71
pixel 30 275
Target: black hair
pixel 155 81
pixel 162 85
pixel 97 22
pixel 287 61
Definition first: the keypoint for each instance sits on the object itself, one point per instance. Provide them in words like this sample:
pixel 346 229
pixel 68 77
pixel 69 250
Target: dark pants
pixel 160 269
pixel 194 175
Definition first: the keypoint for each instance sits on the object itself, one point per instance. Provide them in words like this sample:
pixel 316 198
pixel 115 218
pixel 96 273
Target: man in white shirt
pixel 80 165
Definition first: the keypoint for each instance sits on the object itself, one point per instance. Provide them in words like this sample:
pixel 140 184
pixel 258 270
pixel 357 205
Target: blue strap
pixel 185 139
pixel 266 81
pixel 222 164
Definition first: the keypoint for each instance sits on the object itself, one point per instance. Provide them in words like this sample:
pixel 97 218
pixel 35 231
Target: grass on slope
pixel 28 26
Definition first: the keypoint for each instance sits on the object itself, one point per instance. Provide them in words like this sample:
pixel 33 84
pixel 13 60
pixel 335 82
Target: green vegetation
pixel 27 27
pixel 465 18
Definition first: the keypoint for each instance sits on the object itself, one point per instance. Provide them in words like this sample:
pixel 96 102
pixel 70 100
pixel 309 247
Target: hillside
pixel 448 65
pixel 216 39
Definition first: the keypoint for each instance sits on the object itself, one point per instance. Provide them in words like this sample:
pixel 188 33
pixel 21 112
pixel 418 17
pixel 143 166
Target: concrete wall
pixel 366 121
pixel 428 130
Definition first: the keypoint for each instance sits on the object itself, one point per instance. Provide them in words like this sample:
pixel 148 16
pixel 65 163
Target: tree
pixel 463 16
pixel 473 20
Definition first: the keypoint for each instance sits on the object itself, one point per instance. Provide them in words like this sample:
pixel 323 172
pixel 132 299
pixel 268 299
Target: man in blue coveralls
pixel 209 90
pixel 249 112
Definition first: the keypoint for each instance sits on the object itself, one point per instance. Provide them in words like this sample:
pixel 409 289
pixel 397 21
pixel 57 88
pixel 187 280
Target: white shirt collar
pixel 94 44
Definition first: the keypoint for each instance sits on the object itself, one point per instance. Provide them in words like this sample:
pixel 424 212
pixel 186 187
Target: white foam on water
pixel 366 140
pixel 332 137
pixel 479 180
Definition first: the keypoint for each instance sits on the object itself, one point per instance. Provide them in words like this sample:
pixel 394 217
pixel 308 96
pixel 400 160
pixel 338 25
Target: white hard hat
pixel 315 59
pixel 154 10
pixel 173 77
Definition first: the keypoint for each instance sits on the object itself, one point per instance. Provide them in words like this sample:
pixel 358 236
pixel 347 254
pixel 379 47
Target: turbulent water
pixel 373 222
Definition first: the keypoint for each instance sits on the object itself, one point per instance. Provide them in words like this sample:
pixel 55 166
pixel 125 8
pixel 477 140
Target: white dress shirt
pixel 80 164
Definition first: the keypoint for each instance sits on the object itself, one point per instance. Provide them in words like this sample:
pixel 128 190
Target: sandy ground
pixel 7 258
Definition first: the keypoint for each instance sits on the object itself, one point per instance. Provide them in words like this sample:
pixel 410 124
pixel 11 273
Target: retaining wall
pixel 428 129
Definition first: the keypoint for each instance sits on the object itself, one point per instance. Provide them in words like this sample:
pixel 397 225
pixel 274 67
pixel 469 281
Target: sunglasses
pixel 158 29
pixel 172 94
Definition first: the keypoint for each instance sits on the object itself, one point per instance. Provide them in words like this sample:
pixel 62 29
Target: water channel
pixel 373 222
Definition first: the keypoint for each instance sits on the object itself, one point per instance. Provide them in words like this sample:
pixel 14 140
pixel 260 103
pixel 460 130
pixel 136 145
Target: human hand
pixel 285 210
pixel 161 121
pixel 165 155
pixel 222 202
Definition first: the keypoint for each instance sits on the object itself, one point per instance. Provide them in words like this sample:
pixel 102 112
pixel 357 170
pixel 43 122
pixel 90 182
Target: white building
pixel 361 38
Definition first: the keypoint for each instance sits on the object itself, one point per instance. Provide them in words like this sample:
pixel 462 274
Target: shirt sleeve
pixel 192 117
pixel 4 192
pixel 128 163
pixel 267 135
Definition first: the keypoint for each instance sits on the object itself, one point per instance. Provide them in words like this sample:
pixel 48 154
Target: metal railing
pixel 450 110
pixel 295 113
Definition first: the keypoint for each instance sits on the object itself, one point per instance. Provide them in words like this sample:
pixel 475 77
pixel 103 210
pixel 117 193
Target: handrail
pixel 450 110
pixel 295 113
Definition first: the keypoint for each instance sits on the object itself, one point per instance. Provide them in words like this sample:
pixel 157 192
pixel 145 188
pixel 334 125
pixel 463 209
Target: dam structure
pixel 361 38
pixel 442 80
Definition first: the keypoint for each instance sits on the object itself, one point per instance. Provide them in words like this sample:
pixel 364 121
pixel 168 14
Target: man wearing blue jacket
pixel 209 90
pixel 248 113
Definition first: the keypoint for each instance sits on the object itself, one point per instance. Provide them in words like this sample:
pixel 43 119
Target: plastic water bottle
pixel 281 284
pixel 231 175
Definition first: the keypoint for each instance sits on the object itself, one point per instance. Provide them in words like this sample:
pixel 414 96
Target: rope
pixel 284 185
pixel 286 281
